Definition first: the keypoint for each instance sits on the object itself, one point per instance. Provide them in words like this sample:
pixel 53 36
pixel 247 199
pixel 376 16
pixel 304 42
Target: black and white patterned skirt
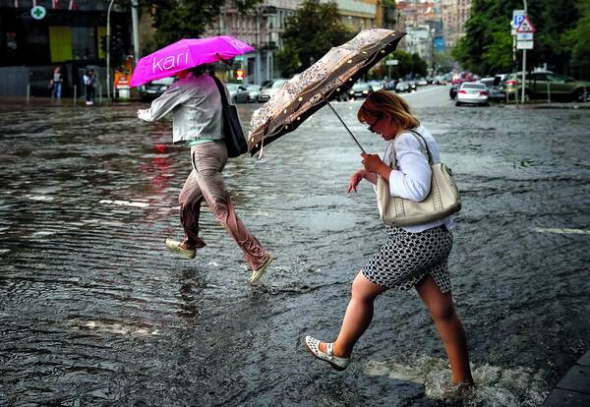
pixel 407 257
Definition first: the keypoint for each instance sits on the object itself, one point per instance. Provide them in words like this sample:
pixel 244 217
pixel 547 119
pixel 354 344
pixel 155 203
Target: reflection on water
pixel 95 311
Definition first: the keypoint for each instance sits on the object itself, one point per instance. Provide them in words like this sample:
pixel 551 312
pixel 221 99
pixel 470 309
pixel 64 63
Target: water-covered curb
pixel 573 390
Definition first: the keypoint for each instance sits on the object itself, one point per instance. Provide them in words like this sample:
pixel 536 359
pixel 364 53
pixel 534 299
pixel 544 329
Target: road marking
pixel 125 203
pixel 564 231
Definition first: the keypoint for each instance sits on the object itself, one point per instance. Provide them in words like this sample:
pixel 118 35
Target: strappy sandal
pixel 313 346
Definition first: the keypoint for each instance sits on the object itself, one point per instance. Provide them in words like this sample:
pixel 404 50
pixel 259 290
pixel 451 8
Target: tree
pixel 486 47
pixel 408 64
pixel 309 34
pixel 177 19
pixel 577 40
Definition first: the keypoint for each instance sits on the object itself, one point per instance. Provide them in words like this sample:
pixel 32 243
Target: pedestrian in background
pixel 413 256
pixel 196 105
pixel 89 79
pixel 56 83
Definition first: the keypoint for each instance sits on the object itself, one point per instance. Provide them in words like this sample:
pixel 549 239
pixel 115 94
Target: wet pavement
pixel 95 312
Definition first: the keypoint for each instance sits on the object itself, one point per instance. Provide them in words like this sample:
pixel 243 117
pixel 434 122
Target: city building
pixel 455 14
pixel 263 27
pixel 38 35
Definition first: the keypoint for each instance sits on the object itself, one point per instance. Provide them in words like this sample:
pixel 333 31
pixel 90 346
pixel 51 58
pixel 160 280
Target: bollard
pixel 100 94
pixel 548 92
pixel 75 93
pixel 28 92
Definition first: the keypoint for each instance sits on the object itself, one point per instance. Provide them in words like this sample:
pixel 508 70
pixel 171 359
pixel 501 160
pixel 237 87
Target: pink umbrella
pixel 185 54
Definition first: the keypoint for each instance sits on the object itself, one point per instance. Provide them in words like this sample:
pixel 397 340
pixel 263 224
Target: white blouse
pixel 412 177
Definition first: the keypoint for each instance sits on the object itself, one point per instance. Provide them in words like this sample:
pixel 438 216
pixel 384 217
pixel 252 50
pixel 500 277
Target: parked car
pixel 154 89
pixel 270 89
pixel 238 93
pixel 360 90
pixel 253 92
pixel 472 93
pixel 376 85
pixel 421 82
pixel 543 84
pixel 495 93
pixel 403 86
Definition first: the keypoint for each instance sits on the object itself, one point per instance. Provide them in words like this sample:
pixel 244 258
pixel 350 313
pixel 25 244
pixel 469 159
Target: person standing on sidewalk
pixel 89 79
pixel 56 83
pixel 196 105
pixel 413 256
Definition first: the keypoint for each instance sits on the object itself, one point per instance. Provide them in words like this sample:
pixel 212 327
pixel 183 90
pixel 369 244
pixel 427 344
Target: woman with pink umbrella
pixel 196 105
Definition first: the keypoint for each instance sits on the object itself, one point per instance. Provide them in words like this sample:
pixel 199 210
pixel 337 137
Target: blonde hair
pixel 381 102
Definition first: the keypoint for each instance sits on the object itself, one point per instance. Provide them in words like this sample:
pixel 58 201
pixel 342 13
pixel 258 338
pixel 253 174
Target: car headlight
pixel 365 92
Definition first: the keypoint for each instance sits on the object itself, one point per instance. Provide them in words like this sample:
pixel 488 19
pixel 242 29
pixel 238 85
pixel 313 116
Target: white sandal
pixel 313 346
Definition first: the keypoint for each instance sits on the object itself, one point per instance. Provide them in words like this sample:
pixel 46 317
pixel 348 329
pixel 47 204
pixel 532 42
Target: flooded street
pixel 94 311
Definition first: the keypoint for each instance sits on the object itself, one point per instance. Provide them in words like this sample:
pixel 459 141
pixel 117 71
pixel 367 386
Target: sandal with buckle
pixel 313 346
pixel 174 247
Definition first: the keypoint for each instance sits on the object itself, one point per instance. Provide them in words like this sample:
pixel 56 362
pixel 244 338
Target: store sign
pixel 38 12
pixel 240 74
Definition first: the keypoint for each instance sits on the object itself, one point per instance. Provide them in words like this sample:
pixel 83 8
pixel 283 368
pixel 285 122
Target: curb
pixel 574 388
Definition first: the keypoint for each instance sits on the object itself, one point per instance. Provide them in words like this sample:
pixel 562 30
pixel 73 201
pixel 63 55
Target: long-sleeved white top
pixel 196 109
pixel 412 176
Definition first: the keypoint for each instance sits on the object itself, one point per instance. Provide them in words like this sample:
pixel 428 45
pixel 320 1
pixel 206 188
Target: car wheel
pixel 457 103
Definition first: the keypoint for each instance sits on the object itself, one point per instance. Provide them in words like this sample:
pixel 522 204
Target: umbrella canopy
pixel 332 75
pixel 185 54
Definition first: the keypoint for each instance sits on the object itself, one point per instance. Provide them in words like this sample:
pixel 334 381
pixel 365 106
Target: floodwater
pixel 95 312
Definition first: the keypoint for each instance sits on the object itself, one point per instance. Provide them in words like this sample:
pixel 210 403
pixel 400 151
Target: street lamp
pixel 109 49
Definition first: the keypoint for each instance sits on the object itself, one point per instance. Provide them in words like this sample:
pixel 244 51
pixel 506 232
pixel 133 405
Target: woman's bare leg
pixel 449 328
pixel 358 316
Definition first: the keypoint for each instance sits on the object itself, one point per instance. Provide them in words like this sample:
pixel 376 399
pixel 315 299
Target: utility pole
pixel 524 61
pixel 135 24
pixel 109 49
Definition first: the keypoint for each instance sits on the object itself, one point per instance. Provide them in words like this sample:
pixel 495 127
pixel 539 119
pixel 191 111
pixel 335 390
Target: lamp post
pixel 109 49
pixel 524 62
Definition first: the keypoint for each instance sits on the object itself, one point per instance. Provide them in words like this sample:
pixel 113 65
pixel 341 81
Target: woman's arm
pixel 412 180
pixel 161 106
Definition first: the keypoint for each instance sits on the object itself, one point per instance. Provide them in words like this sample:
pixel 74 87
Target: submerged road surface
pixel 94 311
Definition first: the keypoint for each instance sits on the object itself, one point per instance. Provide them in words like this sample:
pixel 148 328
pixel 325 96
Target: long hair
pixel 381 102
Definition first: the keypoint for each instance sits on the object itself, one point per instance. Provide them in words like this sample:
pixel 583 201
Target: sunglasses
pixel 372 125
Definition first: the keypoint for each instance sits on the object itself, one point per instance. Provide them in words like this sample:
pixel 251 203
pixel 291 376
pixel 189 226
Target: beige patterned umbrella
pixel 333 74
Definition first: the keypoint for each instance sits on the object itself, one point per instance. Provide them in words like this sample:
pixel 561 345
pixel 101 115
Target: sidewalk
pixel 574 388
pixel 35 101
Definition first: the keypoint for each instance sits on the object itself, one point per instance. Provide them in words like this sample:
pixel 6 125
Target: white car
pixel 472 93
pixel 270 89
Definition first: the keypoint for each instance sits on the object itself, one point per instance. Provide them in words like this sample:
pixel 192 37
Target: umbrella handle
pixel 344 124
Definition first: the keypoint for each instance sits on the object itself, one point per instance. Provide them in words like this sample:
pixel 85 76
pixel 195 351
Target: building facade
pixel 68 33
pixel 455 14
pixel 263 27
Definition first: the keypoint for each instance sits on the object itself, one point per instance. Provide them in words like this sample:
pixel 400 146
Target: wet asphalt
pixel 95 312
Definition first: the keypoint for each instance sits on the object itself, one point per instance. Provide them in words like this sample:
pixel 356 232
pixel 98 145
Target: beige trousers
pixel 205 182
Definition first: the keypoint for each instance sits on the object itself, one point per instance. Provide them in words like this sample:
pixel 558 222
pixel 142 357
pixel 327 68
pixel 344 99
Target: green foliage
pixel 577 41
pixel 486 47
pixel 177 19
pixel 309 34
pixel 408 64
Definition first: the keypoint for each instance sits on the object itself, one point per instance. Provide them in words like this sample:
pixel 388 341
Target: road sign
pixel 517 17
pixel 525 26
pixel 38 12
pixel 524 44
pixel 391 62
pixel 524 36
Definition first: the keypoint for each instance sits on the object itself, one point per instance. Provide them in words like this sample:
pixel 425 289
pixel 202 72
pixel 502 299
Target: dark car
pixel 403 86
pixel 360 90
pixel 495 93
pixel 546 85
pixel 154 89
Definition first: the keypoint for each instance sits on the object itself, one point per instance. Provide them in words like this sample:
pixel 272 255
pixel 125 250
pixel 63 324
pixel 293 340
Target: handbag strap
pixel 419 137
pixel 221 89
